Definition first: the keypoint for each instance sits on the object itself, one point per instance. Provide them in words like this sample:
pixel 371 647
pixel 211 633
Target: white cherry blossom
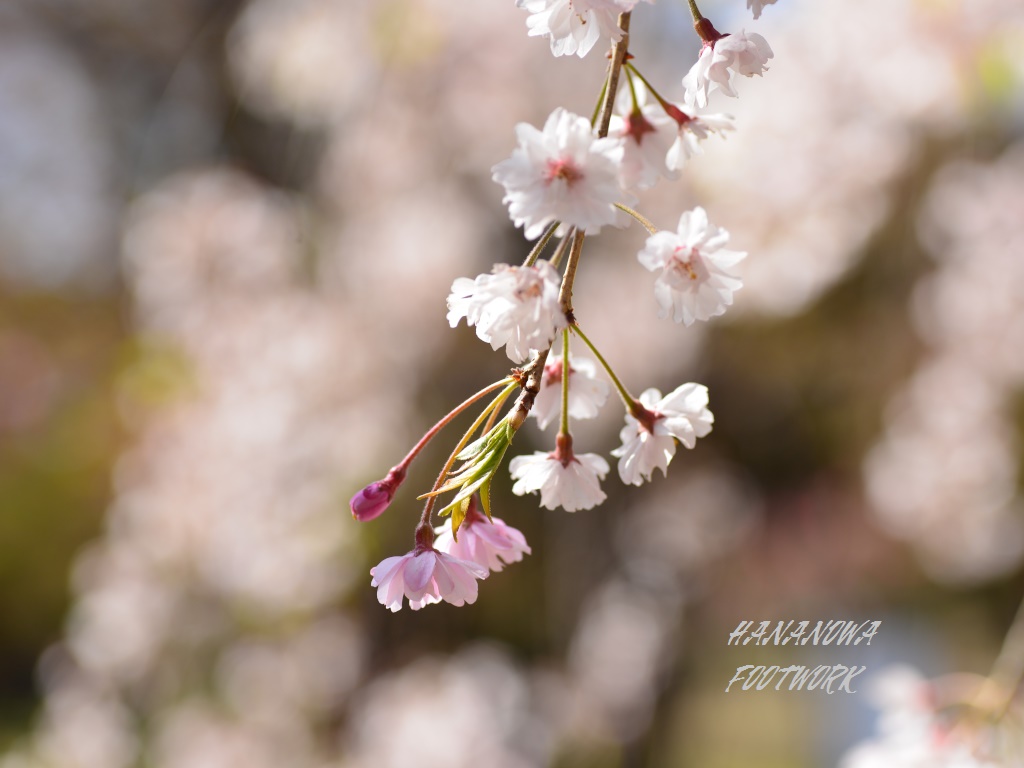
pixel 513 306
pixel 647 134
pixel 562 173
pixel 587 393
pixel 691 130
pixel 564 479
pixel 649 442
pixel 695 280
pixel 758 5
pixel 489 543
pixel 574 26
pixel 721 60
pixel 425 576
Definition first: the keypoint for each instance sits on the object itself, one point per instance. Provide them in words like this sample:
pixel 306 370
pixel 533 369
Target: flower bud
pixel 371 502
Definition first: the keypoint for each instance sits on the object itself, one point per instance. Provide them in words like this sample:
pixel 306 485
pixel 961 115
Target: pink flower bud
pixel 371 502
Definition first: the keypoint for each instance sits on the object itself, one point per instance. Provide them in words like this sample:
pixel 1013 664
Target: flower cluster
pixel 565 182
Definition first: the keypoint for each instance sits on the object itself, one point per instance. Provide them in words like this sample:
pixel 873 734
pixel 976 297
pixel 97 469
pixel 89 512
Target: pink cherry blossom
pixel 721 60
pixel 564 479
pixel 695 280
pixel 489 543
pixel 587 393
pixel 651 430
pixel 513 306
pixel 574 26
pixel 425 576
pixel 562 173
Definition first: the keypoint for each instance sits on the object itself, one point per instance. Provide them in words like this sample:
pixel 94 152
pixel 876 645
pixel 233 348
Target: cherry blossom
pixel 425 576
pixel 696 281
pixel 574 26
pixel 562 173
pixel 647 135
pixel 691 130
pixel 489 543
pixel 720 60
pixel 513 306
pixel 587 393
pixel 653 426
pixel 758 5
pixel 564 479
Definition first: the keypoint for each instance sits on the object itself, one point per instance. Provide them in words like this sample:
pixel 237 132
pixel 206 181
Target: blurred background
pixel 227 232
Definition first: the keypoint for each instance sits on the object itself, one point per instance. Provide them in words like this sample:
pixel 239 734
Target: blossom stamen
pixel 563 170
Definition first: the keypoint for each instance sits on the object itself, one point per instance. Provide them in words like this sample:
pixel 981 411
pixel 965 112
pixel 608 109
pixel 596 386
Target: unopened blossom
pixel 587 393
pixel 695 279
pixel 426 576
pixel 574 26
pixel 489 543
pixel 652 428
pixel 691 130
pixel 515 307
pixel 647 134
pixel 721 60
pixel 372 500
pixel 562 173
pixel 758 5
pixel 564 479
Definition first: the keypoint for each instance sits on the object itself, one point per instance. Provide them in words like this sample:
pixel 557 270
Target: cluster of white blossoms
pixel 563 183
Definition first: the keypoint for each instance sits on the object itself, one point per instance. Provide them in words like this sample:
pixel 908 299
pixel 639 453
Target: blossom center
pixel 685 264
pixel 564 170
pixel 637 126
pixel 553 372
pixel 529 289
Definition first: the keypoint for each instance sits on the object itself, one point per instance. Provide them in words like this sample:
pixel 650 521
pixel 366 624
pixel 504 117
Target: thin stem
pixel 494 405
pixel 531 258
pixel 447 419
pixel 600 102
pixel 563 428
pixel 695 11
pixel 1008 669
pixel 563 246
pixel 650 88
pixel 627 398
pixel 646 222
pixel 565 291
pixel 619 50
pixel 632 88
